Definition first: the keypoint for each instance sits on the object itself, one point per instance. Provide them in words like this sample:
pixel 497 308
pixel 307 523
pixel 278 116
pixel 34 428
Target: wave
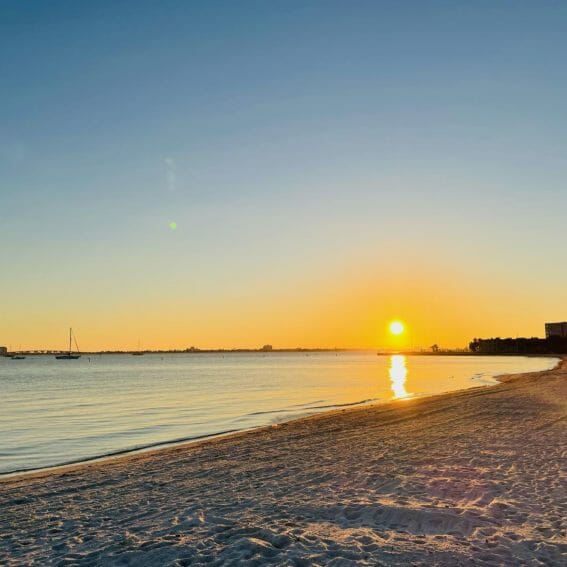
pixel 312 407
pixel 331 406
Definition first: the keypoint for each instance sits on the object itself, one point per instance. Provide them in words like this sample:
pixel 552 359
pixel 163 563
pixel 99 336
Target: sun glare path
pixel 398 373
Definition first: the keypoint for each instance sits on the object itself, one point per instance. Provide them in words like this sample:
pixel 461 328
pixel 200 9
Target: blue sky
pixel 291 142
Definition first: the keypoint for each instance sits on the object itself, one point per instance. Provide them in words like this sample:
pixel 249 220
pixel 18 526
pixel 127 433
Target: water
pixel 54 412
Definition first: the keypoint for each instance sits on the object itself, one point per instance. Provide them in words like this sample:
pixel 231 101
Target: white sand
pixel 469 478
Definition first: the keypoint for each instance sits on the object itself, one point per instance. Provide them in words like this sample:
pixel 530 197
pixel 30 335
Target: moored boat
pixel 70 355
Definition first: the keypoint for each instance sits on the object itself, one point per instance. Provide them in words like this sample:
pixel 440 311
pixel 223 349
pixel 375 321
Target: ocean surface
pixel 59 411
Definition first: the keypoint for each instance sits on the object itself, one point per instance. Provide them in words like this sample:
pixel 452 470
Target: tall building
pixel 3 351
pixel 556 329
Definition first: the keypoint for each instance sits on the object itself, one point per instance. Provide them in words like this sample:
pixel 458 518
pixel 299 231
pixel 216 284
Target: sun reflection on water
pixel 398 373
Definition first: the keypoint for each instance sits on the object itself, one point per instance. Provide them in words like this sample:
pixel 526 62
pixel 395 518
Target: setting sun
pixel 396 327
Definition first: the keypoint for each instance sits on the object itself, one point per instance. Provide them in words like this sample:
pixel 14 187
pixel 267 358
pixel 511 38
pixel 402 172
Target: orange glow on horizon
pixel 343 308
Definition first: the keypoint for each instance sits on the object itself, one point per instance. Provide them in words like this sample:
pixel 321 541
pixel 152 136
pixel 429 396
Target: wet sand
pixel 476 477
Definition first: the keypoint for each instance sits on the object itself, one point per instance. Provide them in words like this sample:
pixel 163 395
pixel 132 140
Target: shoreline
pixel 379 352
pixel 471 477
pixel 189 441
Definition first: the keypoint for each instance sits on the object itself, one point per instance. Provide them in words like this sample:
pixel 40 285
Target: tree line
pixel 533 345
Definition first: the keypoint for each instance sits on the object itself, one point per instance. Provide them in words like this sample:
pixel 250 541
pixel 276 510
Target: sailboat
pixel 70 355
pixel 138 352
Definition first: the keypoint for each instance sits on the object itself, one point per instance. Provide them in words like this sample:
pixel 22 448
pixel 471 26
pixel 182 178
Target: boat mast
pixel 70 334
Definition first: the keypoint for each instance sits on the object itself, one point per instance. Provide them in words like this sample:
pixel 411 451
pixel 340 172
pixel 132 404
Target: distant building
pixel 556 330
pixel 267 348
pixel 3 351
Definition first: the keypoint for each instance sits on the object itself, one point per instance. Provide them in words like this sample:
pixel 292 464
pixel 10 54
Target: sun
pixel 397 327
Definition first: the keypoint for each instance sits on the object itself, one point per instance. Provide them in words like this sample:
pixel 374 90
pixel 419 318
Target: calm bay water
pixel 54 411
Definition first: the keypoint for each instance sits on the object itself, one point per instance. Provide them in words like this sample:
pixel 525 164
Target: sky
pixel 231 174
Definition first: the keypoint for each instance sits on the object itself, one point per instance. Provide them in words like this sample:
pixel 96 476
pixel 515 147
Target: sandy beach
pixel 470 478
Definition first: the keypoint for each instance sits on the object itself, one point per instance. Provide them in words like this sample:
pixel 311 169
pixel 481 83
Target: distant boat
pixel 70 355
pixel 138 352
pixel 17 357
